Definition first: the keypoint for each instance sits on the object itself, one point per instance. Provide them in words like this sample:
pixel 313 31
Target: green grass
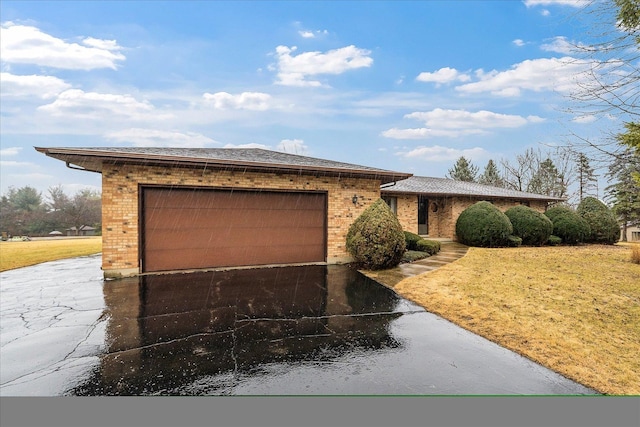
pixel 23 254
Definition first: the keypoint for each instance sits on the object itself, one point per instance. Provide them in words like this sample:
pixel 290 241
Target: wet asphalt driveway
pixel 279 331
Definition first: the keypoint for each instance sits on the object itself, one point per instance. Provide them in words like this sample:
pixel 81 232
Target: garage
pixel 194 228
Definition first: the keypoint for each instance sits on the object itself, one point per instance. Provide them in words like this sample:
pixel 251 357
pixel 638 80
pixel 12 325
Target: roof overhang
pixel 93 160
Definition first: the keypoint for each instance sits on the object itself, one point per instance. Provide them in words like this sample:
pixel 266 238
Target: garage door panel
pixel 232 238
pixel 167 219
pixel 189 229
pixel 228 257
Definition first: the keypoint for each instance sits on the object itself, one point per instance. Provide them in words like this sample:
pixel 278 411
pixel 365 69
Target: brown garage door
pixel 202 228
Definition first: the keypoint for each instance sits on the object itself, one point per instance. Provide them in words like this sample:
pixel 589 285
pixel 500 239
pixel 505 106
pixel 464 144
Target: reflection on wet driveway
pixel 275 331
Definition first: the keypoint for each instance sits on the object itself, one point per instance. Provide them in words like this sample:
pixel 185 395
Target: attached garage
pixel 193 228
pixel 168 209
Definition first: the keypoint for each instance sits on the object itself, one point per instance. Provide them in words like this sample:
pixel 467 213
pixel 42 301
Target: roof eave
pixel 93 161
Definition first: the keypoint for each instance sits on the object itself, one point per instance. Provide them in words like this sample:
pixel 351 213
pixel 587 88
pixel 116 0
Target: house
pixel 633 233
pixel 167 209
pixel 84 230
pixel 431 206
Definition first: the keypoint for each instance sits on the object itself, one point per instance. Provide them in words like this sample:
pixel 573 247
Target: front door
pixel 423 215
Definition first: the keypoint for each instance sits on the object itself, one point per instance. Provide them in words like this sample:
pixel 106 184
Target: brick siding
pixel 120 198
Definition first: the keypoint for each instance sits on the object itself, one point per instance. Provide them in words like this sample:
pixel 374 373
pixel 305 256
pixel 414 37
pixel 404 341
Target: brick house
pixel 431 206
pixel 166 209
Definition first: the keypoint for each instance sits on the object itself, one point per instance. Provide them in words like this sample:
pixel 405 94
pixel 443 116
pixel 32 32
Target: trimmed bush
pixel 375 239
pixel 411 240
pixel 554 240
pixel 514 241
pixel 432 247
pixel 602 222
pixel 533 227
pixel 568 225
pixel 411 256
pixel 482 224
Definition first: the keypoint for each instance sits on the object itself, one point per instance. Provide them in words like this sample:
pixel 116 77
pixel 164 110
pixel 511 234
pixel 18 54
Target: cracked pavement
pixel 293 330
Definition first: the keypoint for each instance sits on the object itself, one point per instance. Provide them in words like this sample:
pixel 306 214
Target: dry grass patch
pixel 22 254
pixel 575 310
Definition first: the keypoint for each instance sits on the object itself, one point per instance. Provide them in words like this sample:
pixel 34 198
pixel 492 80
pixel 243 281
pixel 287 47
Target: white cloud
pixel 543 74
pixel 245 101
pixel 160 138
pixel 10 151
pixel 78 104
pixel 518 42
pixel 456 123
pixel 438 153
pixel 23 44
pixel 312 34
pixel 296 70
pixel 27 86
pixel 292 146
pixel 589 118
pixel 560 44
pixel 443 75
pixel 572 3
pixel 250 145
pixel 13 163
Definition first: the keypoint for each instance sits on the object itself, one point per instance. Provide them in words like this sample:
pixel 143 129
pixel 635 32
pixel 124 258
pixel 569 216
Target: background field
pixel 22 254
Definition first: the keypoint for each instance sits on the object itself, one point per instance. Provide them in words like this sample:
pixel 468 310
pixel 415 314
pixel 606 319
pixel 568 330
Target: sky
pixel 404 86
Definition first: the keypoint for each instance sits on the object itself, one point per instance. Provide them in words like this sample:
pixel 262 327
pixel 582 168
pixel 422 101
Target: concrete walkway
pixel 450 251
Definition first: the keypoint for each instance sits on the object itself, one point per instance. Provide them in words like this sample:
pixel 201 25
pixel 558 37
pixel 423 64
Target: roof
pixel 245 159
pixel 449 187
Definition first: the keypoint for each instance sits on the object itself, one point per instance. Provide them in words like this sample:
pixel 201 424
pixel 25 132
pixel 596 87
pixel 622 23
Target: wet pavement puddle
pixel 314 330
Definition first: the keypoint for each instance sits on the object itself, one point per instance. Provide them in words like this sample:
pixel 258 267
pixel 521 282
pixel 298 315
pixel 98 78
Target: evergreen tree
pixel 624 194
pixel 463 170
pixel 548 181
pixel 587 178
pixel 491 176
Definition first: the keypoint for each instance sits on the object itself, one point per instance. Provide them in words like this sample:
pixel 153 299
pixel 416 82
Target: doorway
pixel 423 215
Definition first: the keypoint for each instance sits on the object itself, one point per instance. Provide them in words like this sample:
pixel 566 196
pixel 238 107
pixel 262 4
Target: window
pixel 392 202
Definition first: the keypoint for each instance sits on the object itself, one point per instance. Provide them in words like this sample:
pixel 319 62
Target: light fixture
pixel 354 199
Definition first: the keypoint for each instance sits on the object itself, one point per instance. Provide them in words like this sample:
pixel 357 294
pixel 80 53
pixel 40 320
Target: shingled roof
pixel 449 187
pixel 246 159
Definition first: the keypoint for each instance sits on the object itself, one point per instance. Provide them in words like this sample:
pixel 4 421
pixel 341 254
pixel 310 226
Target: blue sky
pixel 406 86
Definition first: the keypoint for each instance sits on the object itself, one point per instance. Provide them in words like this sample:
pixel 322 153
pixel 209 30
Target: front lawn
pixel 574 309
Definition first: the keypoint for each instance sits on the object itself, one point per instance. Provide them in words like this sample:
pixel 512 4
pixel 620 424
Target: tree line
pixel 25 211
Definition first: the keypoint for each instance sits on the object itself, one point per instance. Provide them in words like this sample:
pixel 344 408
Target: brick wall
pixel 120 252
pixel 442 222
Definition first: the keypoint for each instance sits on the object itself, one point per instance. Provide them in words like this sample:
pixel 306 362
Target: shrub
pixel 554 240
pixel 375 239
pixel 411 256
pixel 514 241
pixel 635 254
pixel 482 224
pixel 568 225
pixel 533 227
pixel 411 240
pixel 602 222
pixel 432 247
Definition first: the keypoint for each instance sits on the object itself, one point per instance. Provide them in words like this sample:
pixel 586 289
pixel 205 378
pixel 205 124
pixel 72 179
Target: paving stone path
pixel 450 251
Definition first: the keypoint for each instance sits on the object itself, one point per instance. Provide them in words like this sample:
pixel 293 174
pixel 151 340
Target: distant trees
pixel 624 193
pixel 491 175
pixel 463 170
pixel 24 211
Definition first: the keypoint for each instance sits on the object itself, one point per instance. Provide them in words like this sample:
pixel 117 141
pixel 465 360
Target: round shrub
pixel 482 224
pixel 432 247
pixel 533 227
pixel 603 224
pixel 568 225
pixel 514 241
pixel 411 240
pixel 375 239
pixel 554 240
